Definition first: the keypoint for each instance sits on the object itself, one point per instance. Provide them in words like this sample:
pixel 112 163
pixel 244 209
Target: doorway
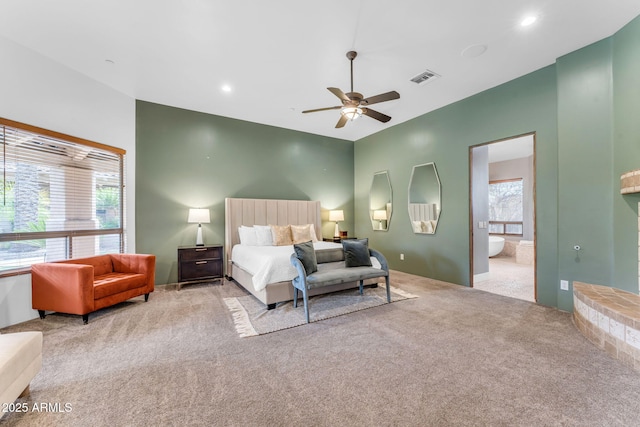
pixel 502 217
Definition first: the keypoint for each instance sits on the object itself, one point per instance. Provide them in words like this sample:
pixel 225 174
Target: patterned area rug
pixel 252 318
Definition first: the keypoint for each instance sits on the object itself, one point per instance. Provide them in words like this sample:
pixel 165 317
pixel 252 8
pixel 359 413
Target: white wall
pixel 40 92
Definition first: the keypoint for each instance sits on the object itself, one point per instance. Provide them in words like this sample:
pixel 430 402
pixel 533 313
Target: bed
pixel 251 212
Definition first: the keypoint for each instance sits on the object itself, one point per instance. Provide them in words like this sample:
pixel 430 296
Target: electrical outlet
pixel 401 257
pixel 564 285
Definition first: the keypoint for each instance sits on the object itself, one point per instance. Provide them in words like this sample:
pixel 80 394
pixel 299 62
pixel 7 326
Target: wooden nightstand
pixel 337 239
pixel 199 264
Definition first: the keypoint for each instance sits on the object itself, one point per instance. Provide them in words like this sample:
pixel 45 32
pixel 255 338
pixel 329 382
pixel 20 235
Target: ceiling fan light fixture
pixel 351 113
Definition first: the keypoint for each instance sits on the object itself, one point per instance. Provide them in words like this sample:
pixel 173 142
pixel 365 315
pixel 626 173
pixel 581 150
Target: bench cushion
pixel 343 275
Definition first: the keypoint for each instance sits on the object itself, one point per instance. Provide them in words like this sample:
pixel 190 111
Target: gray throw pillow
pixel 307 256
pixel 356 253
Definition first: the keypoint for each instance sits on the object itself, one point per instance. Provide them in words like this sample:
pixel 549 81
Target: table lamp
pixel 336 216
pixel 199 216
pixel 380 215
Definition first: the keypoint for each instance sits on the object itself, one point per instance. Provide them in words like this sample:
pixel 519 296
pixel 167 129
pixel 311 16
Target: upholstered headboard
pixel 250 212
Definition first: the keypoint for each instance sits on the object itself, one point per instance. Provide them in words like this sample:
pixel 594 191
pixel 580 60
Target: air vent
pixel 425 77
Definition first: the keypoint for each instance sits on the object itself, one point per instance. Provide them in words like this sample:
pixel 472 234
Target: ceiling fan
pixel 354 104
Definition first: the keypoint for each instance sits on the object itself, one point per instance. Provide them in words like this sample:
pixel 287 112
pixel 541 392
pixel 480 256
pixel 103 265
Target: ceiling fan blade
pixel 376 115
pixel 323 109
pixel 342 121
pixel 380 98
pixel 340 94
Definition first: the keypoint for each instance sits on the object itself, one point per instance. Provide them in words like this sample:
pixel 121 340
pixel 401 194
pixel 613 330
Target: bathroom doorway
pixel 502 217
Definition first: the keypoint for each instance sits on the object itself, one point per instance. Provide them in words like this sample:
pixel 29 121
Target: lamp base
pixel 336 233
pixel 199 241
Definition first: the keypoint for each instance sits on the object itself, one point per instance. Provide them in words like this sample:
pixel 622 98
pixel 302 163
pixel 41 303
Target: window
pixel 505 207
pixel 61 197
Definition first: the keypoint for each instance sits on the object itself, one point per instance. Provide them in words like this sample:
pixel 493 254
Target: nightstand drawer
pixel 190 254
pixel 199 270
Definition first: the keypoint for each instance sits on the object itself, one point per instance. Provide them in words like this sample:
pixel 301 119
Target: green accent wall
pixel 187 159
pixel 626 153
pixel 444 136
pixel 584 111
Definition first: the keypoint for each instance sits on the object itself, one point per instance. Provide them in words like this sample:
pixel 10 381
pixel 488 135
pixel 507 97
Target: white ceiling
pixel 279 56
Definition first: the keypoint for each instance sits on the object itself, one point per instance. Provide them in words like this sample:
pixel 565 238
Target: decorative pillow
pixel 264 235
pixel 307 256
pixel 356 253
pixel 281 235
pixel 314 236
pixel 248 236
pixel 301 233
pixel 417 226
pixel 427 227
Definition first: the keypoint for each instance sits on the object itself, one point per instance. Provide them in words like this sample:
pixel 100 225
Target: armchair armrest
pixel 62 287
pixel 383 261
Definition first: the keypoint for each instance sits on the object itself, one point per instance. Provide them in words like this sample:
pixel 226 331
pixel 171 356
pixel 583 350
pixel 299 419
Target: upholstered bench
pixel 20 361
pixel 358 268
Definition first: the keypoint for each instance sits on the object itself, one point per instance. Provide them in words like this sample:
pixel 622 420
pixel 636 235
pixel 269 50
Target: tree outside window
pixel 505 206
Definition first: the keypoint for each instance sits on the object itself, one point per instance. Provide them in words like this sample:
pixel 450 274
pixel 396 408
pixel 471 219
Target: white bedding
pixel 271 264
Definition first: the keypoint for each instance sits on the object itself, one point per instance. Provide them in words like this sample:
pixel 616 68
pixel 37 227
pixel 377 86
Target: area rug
pixel 252 318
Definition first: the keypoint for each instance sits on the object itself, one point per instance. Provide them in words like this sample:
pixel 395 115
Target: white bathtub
pixel 496 244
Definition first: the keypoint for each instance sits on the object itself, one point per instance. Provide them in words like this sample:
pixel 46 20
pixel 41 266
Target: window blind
pixel 61 197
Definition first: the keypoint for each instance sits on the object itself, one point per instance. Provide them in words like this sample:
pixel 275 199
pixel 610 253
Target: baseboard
pixel 481 277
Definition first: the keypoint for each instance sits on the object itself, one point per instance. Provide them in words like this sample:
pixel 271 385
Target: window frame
pixel 68 234
pixel 505 223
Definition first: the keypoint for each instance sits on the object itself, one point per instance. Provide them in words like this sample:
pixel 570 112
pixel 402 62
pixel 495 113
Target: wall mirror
pixel 424 198
pixel 380 205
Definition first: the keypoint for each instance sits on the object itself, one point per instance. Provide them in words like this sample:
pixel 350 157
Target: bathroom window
pixel 505 207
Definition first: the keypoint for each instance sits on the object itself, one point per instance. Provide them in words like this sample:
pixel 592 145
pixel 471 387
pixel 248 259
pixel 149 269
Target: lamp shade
pixel 336 215
pixel 200 216
pixel 380 215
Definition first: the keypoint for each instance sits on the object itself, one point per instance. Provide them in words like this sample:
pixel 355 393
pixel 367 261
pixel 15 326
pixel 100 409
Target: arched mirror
pixel 380 201
pixel 424 198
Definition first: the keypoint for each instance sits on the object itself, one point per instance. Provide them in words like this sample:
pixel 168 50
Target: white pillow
pixel 248 236
pixel 264 236
pixel 314 236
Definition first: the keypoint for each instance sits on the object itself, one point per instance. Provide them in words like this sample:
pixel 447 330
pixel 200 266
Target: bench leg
pixel 386 279
pixel 361 286
pixel 295 297
pixel 305 297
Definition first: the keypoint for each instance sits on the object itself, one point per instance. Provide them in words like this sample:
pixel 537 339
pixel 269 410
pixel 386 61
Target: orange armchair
pixel 84 285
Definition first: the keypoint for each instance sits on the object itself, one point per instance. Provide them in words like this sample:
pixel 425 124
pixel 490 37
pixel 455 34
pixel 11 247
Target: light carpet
pixel 251 317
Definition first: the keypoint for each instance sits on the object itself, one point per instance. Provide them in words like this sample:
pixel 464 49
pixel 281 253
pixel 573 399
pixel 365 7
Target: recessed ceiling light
pixel 226 88
pixel 528 20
